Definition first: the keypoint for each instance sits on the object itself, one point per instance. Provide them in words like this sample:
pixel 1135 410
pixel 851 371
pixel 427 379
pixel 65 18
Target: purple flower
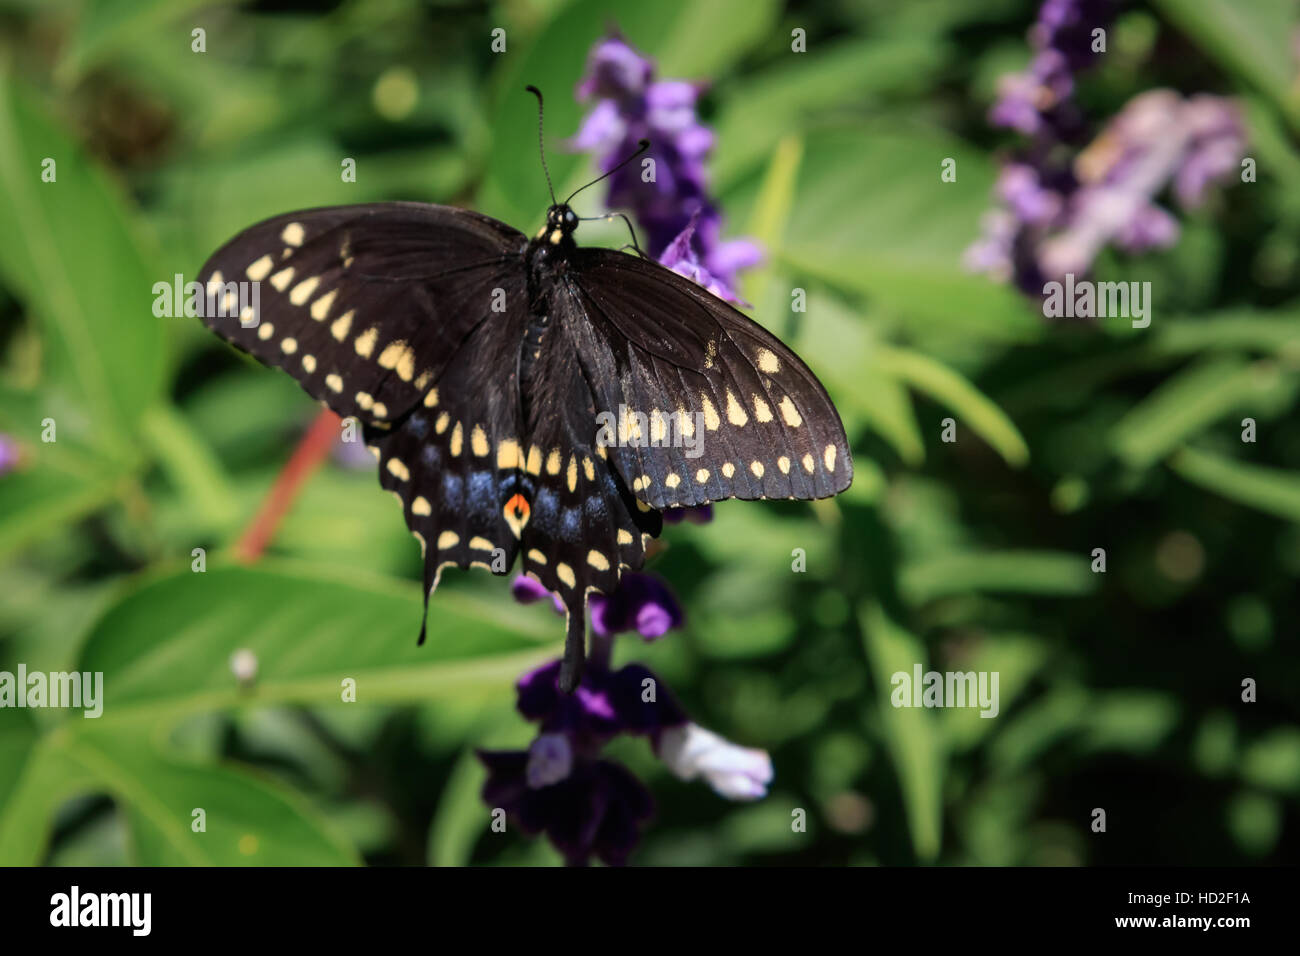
pixel 1059 208
pixel 10 455
pixel 641 603
pixel 597 809
pixel 696 514
pixel 682 224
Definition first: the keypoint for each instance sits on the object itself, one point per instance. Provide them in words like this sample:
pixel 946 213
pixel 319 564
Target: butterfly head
pixel 561 221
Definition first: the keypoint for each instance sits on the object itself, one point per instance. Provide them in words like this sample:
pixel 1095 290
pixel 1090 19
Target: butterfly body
pixel 528 399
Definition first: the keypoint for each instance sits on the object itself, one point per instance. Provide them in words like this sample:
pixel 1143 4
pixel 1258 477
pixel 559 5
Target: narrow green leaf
pixel 1011 572
pixel 1191 401
pixel 912 734
pixel 1270 490
pixel 949 388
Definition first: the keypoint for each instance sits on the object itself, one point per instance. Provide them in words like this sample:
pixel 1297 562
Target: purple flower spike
pixel 597 809
pixel 681 223
pixel 641 603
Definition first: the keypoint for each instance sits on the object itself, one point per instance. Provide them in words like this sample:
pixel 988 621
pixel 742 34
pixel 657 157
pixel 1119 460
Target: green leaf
pixel 1191 401
pixel 782 101
pixel 912 735
pixel 461 816
pixel 68 249
pixel 949 388
pixel 873 217
pixel 1013 572
pixel 107 25
pixel 168 643
pixel 1270 490
pixel 1252 40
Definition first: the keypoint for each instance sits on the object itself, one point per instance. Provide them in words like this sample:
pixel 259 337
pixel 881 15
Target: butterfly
pixel 526 398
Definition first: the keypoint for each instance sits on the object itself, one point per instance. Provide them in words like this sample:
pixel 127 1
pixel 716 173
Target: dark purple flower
pixel 696 514
pixel 673 208
pixel 641 603
pixel 597 809
pixel 527 590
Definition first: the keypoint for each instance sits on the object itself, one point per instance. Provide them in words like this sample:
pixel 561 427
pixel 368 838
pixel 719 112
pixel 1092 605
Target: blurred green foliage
pixel 1118 690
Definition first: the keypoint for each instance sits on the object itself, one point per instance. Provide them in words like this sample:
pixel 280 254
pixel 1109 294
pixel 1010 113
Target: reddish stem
pixel 307 457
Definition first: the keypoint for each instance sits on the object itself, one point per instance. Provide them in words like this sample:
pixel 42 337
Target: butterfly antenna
pixel 541 139
pixel 641 148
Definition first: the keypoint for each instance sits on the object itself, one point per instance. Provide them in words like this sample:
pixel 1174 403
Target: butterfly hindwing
pixel 364 305
pixel 707 404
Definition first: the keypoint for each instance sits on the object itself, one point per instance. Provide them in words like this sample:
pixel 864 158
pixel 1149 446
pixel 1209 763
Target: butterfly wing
pixel 706 403
pixel 408 317
pixel 364 305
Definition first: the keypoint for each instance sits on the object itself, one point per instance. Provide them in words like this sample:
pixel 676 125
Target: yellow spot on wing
pixel 334 383
pixel 711 420
pixel 534 460
pixel 784 464
pixel 735 413
pixel 728 470
pixel 597 561
pixel 571 475
pixel 397 468
pixel 321 307
pixel 265 331
pixel 702 475
pixel 624 537
pixel 481 544
pixel 768 362
pixel 762 411
pixel 309 363
pixel 365 343
pixel 672 479
pixel 260 269
pixel 289 345
pixel 282 279
pixel 342 325
pixel 808 463
pixel 448 539
pixel 554 462
pixel 589 468
pixel 457 439
pixel 303 290
pixel 757 468
pixel 565 574
pixel 440 425
pixel 292 234
pixel 790 413
pixel 478 442
pixel 420 506
pixel 431 400
pixel 830 457
pixel 536 556
pixel 364 401
pixel 508 454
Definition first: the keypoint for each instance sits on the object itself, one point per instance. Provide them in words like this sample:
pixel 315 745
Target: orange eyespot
pixel 517 512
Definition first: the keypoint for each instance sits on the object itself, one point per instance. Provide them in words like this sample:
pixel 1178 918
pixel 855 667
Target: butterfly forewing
pixel 364 305
pixel 707 404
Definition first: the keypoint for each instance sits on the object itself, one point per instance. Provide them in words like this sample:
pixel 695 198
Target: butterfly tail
pixel 575 649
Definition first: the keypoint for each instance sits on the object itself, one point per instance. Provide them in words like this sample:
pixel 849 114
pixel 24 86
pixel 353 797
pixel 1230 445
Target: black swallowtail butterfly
pixel 483 366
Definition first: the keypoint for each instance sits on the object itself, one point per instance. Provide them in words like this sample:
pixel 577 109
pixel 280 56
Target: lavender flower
pixel 1056 215
pixel 682 224
pixel 10 455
